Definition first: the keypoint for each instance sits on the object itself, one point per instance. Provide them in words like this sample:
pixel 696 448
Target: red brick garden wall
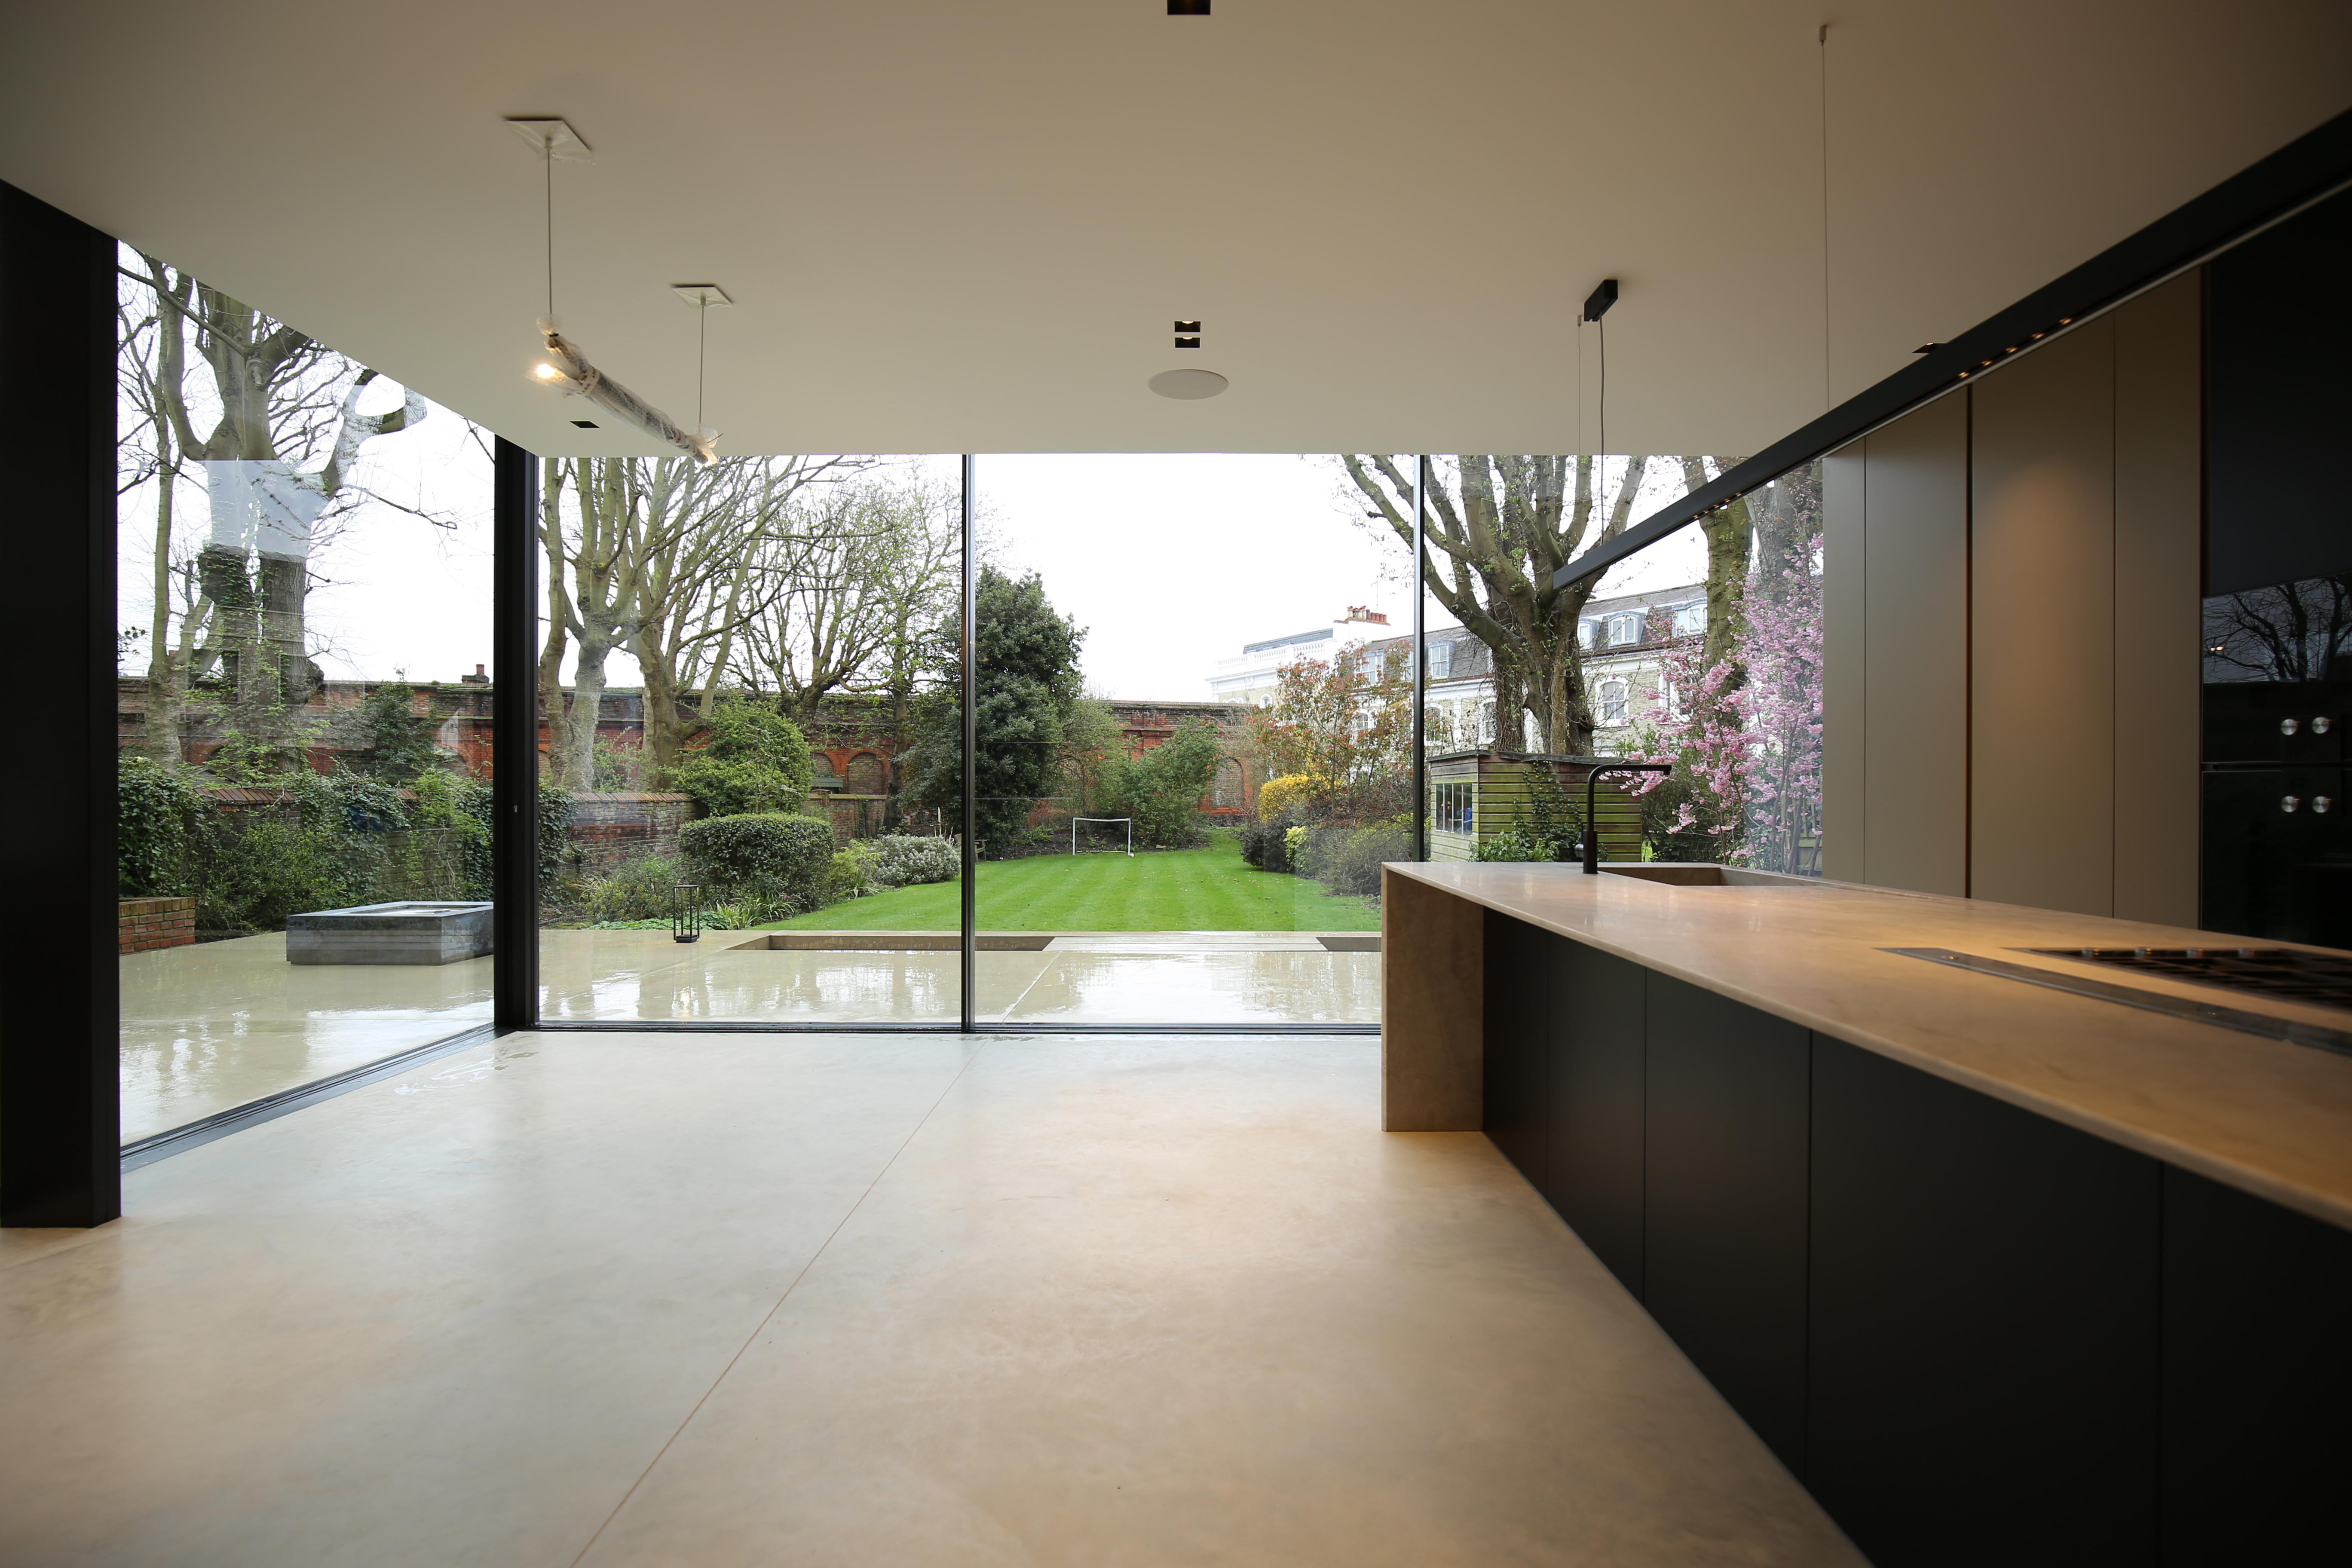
pixel 148 923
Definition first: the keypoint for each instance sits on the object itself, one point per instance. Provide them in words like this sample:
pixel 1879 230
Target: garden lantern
pixel 685 912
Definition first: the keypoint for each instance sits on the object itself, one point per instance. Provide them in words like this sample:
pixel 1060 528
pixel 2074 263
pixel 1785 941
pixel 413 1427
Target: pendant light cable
pixel 701 359
pixel 1828 398
pixel 550 156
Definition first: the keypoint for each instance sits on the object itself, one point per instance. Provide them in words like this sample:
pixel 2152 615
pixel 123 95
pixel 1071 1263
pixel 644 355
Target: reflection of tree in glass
pixel 2288 631
pixel 270 420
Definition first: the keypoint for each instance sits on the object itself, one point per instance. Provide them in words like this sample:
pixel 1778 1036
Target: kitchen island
pixel 2003 1273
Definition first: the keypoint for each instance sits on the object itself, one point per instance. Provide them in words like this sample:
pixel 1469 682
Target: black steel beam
pixel 60 1119
pixel 969 655
pixel 2304 171
pixel 514 736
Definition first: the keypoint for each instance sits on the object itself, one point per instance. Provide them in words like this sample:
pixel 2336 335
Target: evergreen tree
pixel 1026 684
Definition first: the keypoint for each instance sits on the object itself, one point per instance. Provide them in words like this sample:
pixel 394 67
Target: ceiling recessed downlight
pixel 1187 384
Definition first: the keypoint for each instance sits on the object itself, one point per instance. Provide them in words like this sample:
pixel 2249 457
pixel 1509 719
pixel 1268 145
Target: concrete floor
pixel 728 1300
pixel 222 1024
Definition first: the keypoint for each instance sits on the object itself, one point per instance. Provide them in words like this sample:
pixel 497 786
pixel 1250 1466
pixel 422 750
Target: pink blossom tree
pixel 1744 727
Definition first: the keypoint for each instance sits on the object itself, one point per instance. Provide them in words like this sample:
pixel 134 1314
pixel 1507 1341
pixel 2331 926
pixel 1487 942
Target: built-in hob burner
pixel 2317 979
pixel 2281 974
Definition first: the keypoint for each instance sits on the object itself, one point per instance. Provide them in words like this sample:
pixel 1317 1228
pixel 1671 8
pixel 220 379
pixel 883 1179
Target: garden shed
pixel 1476 795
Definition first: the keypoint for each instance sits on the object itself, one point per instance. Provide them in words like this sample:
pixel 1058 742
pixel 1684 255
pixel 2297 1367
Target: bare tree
pixel 863 570
pixel 667 560
pixel 1498 528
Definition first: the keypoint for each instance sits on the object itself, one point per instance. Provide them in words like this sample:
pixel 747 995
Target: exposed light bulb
pixel 547 372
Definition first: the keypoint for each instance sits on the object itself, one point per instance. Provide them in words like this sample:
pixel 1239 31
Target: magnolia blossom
pixel 1745 733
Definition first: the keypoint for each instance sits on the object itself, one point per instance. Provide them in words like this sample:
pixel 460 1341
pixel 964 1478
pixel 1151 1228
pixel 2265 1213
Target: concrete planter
pixel 413 932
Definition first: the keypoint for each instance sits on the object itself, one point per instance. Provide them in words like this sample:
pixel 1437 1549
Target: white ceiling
pixel 959 225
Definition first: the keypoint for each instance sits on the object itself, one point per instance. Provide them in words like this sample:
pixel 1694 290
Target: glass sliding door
pixel 303 552
pixel 749 740
pixel 1194 732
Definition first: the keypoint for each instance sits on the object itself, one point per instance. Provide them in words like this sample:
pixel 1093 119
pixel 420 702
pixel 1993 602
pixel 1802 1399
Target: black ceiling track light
pixel 1597 303
pixel 1188 7
pixel 1188 334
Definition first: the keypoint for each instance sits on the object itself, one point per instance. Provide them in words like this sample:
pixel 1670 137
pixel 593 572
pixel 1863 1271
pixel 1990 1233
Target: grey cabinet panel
pixel 1982 1337
pixel 2257 1381
pixel 1725 1164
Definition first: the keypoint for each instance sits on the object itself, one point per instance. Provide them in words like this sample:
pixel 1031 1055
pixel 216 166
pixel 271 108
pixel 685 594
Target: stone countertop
pixel 2263 1116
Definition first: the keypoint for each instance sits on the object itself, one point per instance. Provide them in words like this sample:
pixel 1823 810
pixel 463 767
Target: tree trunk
pixel 551 709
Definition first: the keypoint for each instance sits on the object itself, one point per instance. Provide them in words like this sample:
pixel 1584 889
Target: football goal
pixel 1101 835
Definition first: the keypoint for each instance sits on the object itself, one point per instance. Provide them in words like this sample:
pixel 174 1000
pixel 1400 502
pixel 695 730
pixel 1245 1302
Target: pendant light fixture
pixel 565 365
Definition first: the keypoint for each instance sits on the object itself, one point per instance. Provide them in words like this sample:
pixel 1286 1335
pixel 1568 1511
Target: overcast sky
pixel 1170 562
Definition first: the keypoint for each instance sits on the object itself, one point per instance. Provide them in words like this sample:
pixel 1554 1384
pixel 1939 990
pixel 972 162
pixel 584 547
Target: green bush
pixel 1162 788
pixel 158 813
pixel 1265 846
pixel 1347 860
pixel 848 876
pixel 903 859
pixel 633 890
pixel 753 761
pixel 766 852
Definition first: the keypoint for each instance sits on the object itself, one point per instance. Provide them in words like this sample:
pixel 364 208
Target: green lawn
pixel 1177 889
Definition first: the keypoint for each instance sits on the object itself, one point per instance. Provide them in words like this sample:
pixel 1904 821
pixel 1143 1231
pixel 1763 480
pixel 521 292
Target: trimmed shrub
pixel 903 859
pixel 768 853
pixel 752 762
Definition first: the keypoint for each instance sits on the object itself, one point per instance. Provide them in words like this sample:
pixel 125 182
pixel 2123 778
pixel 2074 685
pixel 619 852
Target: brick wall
pixel 610 829
pixel 148 923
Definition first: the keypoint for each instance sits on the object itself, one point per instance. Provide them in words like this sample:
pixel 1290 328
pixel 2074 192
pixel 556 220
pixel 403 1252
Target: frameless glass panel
pixel 303 550
pixel 750 733
pixel 1193 740
pixel 1705 651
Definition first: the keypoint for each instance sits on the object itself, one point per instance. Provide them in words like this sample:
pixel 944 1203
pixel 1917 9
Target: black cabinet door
pixel 1982 1344
pixel 1723 1261
pixel 2257 1381
pixel 1515 1043
pixel 1597 1005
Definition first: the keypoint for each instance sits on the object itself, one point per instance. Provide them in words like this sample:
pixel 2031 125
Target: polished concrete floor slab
pixel 209 1028
pixel 719 1300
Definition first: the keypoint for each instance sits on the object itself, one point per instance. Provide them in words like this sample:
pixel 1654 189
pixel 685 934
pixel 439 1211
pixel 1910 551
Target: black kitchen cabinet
pixel 1564 1081
pixel 1983 1333
pixel 1593 1172
pixel 1519 1025
pixel 1725 1130
pixel 2257 1381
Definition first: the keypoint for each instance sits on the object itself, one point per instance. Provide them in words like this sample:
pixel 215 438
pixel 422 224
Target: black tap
pixel 1591 824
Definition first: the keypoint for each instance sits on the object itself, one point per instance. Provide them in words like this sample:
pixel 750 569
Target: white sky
pixel 1169 562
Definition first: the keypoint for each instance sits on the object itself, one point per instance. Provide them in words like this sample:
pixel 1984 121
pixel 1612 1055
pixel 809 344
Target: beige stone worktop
pixel 2267 1117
